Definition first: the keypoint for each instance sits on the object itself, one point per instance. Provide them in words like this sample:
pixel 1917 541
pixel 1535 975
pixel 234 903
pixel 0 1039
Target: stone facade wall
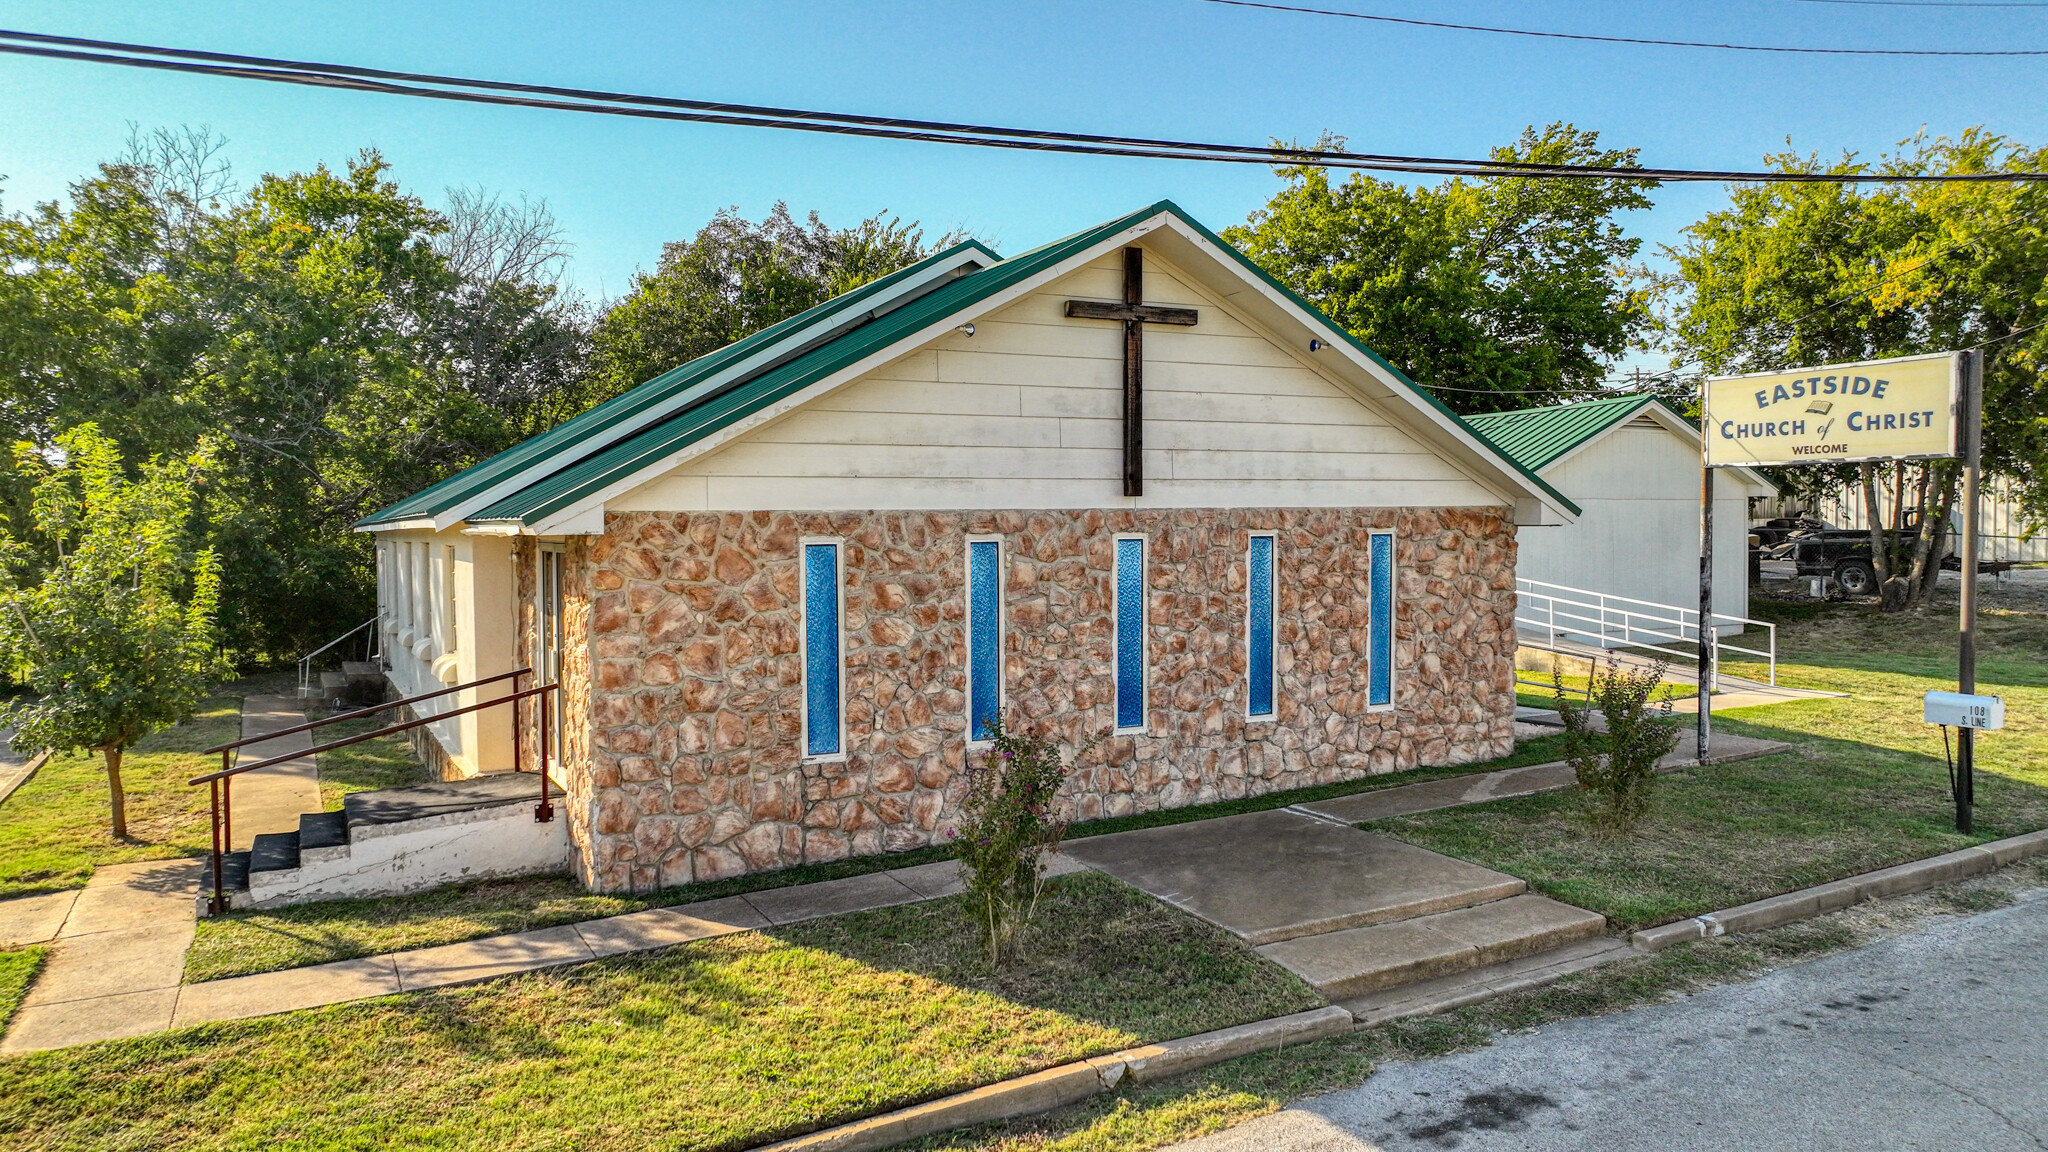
pixel 684 659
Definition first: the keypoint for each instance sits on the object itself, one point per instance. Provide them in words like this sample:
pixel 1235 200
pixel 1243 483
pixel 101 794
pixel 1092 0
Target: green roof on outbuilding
pixel 1538 437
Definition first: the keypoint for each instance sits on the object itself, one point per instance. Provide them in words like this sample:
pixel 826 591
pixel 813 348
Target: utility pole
pixel 1972 368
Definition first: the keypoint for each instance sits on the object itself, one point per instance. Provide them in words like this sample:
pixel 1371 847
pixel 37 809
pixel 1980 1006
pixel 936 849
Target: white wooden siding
pixel 1027 413
pixel 1638 533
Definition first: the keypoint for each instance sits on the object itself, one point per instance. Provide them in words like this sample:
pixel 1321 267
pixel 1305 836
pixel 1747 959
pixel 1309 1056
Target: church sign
pixel 1904 408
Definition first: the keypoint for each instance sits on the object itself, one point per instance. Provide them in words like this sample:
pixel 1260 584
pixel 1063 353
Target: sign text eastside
pixel 1876 410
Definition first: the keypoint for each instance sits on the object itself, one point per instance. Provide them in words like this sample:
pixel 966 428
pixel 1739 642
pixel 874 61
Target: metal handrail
pixel 345 741
pixel 306 661
pixel 1636 628
pixel 384 707
pixel 221 783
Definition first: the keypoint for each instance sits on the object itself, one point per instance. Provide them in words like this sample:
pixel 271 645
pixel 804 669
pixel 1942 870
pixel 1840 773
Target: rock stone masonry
pixel 694 683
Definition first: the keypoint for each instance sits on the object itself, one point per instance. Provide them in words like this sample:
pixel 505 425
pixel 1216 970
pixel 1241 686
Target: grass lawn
pixel 54 830
pixel 250 942
pixel 716 1045
pixel 18 968
pixel 386 762
pixel 1865 784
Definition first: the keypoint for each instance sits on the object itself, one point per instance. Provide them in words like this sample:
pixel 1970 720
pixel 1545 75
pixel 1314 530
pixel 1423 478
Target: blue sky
pixel 1178 68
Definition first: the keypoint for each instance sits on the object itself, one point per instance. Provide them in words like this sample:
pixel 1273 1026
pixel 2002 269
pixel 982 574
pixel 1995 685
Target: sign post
pixel 1906 408
pixel 1703 724
pixel 1971 368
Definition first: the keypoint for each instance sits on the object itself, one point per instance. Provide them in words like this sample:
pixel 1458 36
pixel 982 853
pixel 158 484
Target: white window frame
pixel 1002 627
pixel 1143 725
pixel 1393 620
pixel 803 642
pixel 1272 629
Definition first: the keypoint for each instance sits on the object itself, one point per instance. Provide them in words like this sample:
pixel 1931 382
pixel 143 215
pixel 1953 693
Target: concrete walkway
pixel 1731 691
pixel 272 799
pixel 118 945
pixel 117 956
pixel 1455 791
pixel 66 1017
pixel 454 964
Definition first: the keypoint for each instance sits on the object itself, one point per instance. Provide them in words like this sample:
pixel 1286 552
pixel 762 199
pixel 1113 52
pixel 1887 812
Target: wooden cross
pixel 1135 314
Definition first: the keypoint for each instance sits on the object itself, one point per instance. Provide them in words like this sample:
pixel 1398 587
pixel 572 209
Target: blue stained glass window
pixel 1380 661
pixel 1130 633
pixel 984 636
pixel 1259 591
pixel 821 650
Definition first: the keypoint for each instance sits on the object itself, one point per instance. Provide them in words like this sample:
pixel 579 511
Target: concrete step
pixel 1428 997
pixel 234 875
pixel 274 852
pixel 401 840
pixel 1356 961
pixel 362 670
pixel 1273 876
pixel 323 830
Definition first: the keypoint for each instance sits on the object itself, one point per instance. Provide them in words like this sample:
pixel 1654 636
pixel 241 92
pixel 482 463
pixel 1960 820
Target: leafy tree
pixel 1798 274
pixel 116 638
pixel 341 343
pixel 1504 291
pixel 736 278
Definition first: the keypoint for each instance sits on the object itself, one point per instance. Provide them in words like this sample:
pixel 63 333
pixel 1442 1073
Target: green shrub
pixel 1010 820
pixel 1616 755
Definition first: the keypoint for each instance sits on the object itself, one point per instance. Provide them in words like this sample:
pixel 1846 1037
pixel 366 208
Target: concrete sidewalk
pixel 453 964
pixel 1457 791
pixel 77 1019
pixel 118 945
pixel 272 799
pixel 117 957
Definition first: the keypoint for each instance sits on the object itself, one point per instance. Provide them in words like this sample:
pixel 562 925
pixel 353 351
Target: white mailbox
pixel 1958 710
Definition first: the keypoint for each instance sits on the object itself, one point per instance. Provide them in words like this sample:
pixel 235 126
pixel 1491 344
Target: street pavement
pixel 1935 1039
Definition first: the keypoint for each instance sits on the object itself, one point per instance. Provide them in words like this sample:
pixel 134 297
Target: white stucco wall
pixel 1638 531
pixel 433 640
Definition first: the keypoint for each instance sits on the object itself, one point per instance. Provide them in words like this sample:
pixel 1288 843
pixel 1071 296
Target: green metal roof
pixel 599 448
pixel 585 433
pixel 1538 437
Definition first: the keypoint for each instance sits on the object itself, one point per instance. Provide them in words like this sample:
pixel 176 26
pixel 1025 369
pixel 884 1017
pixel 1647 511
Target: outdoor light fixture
pixel 1315 345
pixel 967 329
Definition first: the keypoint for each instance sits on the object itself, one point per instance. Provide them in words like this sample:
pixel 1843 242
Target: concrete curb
pixel 1900 880
pixel 1069 1083
pixel 9 783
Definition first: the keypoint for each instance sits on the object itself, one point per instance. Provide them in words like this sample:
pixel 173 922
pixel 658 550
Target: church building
pixel 1125 482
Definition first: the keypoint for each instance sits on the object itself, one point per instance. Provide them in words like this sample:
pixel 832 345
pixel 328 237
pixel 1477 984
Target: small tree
pixel 1616 754
pixel 116 637
pixel 1010 821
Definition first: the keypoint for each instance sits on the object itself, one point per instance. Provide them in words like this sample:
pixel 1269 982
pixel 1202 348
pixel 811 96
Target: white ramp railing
pixel 1575 615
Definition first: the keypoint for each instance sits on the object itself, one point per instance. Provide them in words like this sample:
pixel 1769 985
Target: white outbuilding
pixel 1632 465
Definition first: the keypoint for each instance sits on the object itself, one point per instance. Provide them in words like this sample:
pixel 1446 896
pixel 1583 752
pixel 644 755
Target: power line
pixel 598 102
pixel 1623 39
